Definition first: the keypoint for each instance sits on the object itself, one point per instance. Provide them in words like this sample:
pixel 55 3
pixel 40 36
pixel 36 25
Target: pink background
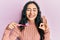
pixel 10 11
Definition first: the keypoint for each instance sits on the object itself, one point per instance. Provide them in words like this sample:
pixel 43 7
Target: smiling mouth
pixel 31 16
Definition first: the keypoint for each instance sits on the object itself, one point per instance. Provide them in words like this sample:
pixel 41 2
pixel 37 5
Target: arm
pixel 6 35
pixel 47 34
pixel 44 26
pixel 11 32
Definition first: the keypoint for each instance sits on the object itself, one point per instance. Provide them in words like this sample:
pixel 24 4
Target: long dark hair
pixel 38 19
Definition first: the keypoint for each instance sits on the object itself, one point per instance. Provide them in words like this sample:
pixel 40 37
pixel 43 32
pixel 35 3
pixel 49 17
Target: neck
pixel 31 22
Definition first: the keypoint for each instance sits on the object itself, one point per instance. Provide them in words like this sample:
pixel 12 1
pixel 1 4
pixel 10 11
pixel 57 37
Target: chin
pixel 31 18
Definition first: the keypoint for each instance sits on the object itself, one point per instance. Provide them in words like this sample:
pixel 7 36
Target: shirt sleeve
pixel 47 34
pixel 6 35
pixel 10 34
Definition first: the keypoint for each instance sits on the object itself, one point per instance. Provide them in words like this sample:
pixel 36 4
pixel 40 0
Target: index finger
pixel 44 19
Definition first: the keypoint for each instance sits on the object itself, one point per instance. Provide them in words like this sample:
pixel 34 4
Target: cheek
pixel 27 13
pixel 36 14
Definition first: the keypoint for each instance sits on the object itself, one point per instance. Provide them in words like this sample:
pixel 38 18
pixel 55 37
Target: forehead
pixel 31 6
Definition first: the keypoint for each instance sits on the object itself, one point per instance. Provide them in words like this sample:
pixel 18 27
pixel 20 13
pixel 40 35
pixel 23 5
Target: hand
pixel 12 25
pixel 44 24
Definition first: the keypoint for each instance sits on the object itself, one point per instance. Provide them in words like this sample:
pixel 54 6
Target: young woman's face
pixel 31 11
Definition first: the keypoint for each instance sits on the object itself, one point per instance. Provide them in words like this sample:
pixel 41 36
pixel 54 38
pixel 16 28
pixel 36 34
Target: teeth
pixel 31 16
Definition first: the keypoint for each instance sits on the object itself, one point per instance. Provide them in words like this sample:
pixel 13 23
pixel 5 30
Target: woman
pixel 31 26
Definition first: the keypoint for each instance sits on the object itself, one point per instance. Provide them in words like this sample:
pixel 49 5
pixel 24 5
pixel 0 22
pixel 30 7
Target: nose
pixel 31 12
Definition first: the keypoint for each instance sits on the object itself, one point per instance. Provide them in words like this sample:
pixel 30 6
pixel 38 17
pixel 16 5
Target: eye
pixel 28 9
pixel 34 10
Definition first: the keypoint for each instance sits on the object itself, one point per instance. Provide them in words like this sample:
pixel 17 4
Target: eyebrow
pixel 30 8
pixel 34 8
